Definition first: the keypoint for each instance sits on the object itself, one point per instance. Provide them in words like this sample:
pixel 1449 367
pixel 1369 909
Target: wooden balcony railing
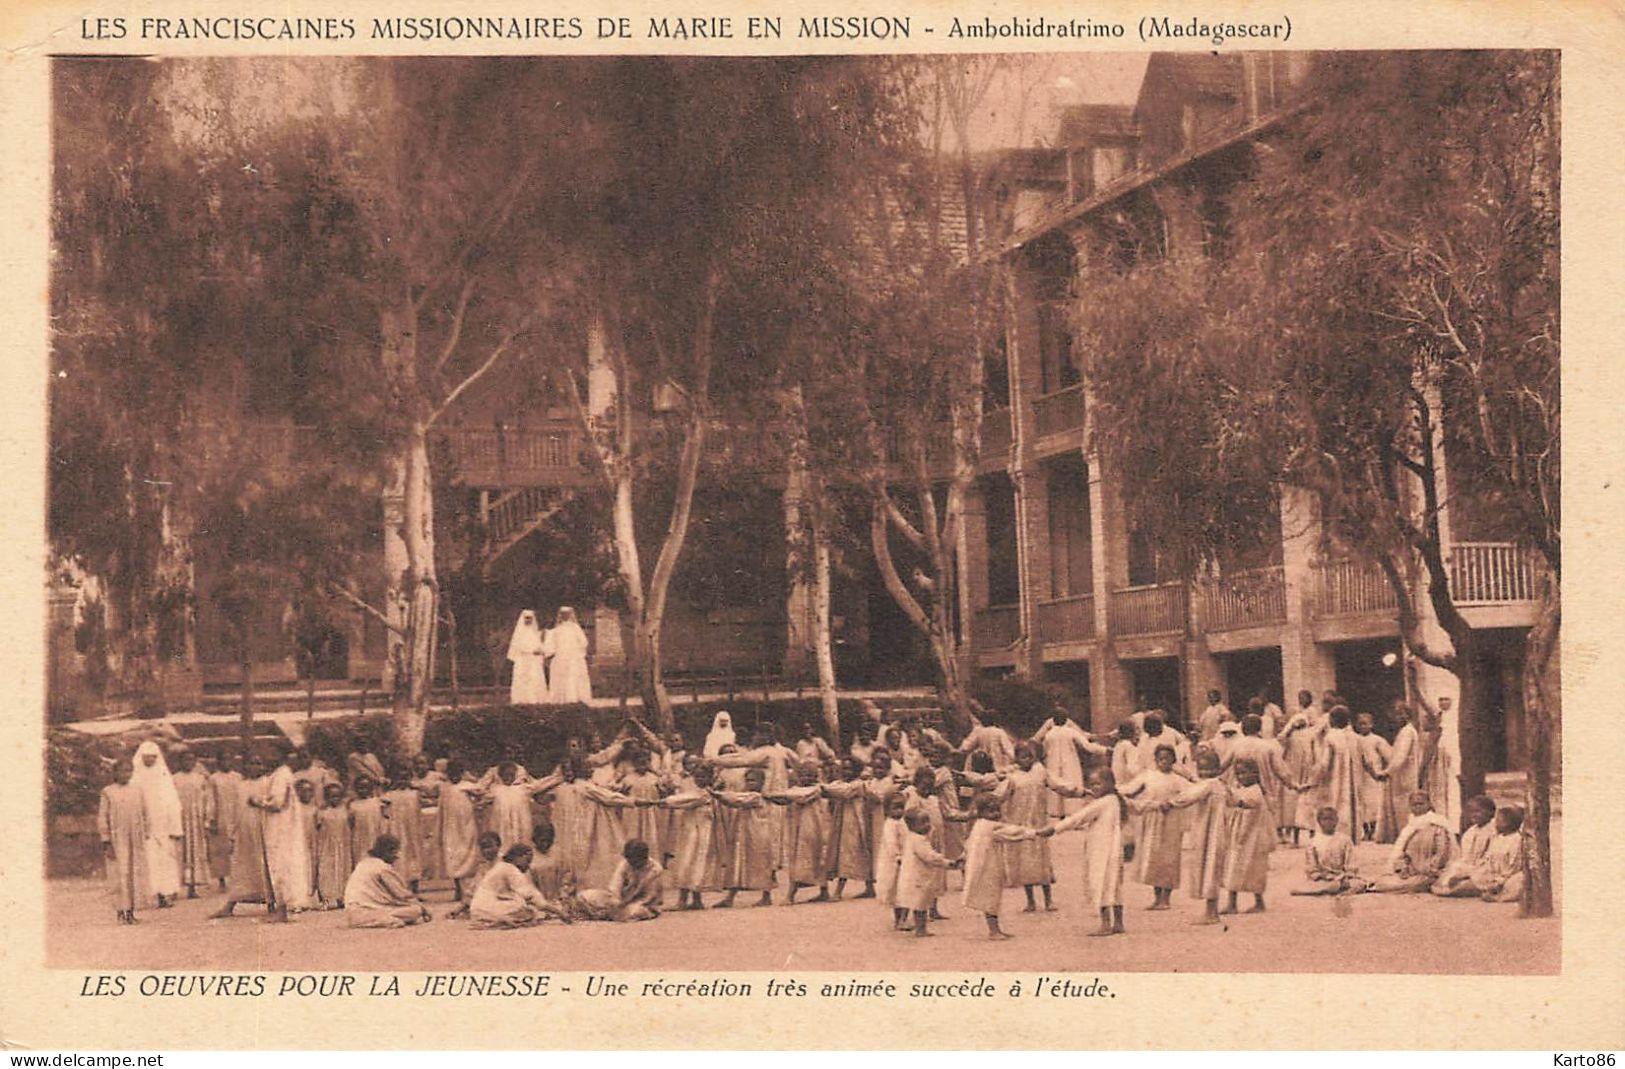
pixel 1247 599
pixel 1352 587
pixel 1068 619
pixel 1149 610
pixel 1059 412
pixel 485 454
pixel 1491 573
pixel 997 626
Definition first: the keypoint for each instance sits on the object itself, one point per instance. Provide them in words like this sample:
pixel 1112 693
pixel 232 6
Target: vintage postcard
pixel 790 527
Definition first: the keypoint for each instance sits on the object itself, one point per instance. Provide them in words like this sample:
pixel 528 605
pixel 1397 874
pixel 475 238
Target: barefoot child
pixel 694 863
pixel 1026 798
pixel 1249 838
pixel 748 864
pixel 889 858
pixel 1157 851
pixel 1101 820
pixel 547 870
pixel 334 860
pixel 197 821
pixel 922 797
pixel 307 804
pixel 850 856
pixel 1207 800
pixel 122 824
pixel 985 860
pixel 1328 860
pixel 366 819
pixel 921 874
pixel 806 833
pixel 459 829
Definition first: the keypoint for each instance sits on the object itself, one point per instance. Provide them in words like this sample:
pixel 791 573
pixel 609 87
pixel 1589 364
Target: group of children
pixel 603 834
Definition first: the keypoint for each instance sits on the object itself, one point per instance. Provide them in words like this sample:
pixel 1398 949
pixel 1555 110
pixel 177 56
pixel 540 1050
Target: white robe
pixel 162 804
pixel 1061 744
pixel 567 645
pixel 525 649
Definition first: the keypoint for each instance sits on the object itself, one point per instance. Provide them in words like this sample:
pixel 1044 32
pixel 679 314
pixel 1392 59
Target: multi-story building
pixel 1063 588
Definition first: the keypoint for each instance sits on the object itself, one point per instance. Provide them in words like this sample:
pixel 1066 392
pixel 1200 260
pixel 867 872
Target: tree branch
pixel 496 354
pixel 345 594
pixel 456 329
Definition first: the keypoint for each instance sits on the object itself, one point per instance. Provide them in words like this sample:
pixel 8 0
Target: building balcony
pixel 1252 598
pixel 1068 619
pixel 1059 412
pixel 996 626
pixel 1491 573
pixel 1149 610
pixel 1352 588
pixel 506 456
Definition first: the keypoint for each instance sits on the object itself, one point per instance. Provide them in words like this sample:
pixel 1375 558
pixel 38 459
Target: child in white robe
pixel 985 861
pixel 921 874
pixel 1025 793
pixel 1207 799
pixel 488 851
pixel 889 858
pixel 1328 860
pixel 1373 774
pixel 850 847
pixel 1157 853
pixel 1497 875
pixel 1474 842
pixel 1249 838
pixel 1101 820
pixel 806 834
pixel 1423 851
pixel 694 868
pixel 507 899
pixel 375 896
pixel 121 823
pixel 748 851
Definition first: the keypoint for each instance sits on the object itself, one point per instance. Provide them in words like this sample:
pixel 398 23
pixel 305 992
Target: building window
pixel 1070 550
pixel 1003 565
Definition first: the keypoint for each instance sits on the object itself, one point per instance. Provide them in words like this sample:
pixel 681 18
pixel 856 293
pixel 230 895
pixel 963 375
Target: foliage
pixel 1022 707
pixel 77 767
pixel 334 739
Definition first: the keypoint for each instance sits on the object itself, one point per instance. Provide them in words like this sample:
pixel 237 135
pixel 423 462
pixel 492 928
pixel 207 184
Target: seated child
pixel 1455 880
pixel 634 890
pixel 1421 853
pixel 507 899
pixel 490 847
pixel 1328 860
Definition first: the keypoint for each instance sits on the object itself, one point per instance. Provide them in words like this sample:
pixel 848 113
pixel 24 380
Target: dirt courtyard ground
pixel 1361 934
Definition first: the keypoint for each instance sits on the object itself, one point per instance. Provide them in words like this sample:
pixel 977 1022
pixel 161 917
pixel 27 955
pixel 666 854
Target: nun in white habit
pixel 567 645
pixel 162 804
pixel 529 685
pixel 720 735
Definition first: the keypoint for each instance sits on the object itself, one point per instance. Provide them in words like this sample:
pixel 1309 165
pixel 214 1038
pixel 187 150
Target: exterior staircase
pixel 515 514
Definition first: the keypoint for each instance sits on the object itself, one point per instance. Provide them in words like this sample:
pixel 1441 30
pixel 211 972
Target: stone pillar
pixel 1201 672
pixel 1032 526
pixel 1305 663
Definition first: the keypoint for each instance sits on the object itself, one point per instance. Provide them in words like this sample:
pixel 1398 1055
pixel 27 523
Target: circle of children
pixel 605 834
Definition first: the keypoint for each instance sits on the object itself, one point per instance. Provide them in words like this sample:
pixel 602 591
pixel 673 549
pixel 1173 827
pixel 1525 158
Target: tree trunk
pixel 1537 827
pixel 1470 720
pixel 823 646
pixel 422 603
pixel 650 673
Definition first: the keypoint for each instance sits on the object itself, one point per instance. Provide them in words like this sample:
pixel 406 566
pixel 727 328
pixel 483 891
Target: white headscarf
pixel 158 794
pixel 527 637
pixel 566 635
pixel 721 734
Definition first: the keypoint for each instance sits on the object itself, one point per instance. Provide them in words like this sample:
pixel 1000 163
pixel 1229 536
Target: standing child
pixel 197 821
pixel 922 798
pixel 748 865
pixel 250 878
pixel 459 828
pixel 1249 837
pixel 226 784
pixel 642 784
pixel 985 860
pixel 850 856
pixel 1207 800
pixel 920 877
pixel 122 824
pixel 1373 774
pixel 694 865
pixel 510 806
pixel 1101 819
pixel 889 858
pixel 1026 799
pixel 1328 860
pixel 307 804
pixel 366 819
pixel 334 859
pixel 806 833
pixel 1161 830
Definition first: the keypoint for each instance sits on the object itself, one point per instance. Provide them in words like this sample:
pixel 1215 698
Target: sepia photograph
pixel 1091 511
